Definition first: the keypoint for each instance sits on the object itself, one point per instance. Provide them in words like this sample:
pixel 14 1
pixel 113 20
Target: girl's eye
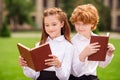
pixel 46 25
pixel 54 24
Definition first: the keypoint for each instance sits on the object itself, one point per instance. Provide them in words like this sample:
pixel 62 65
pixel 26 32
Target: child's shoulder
pixel 75 37
pixel 68 43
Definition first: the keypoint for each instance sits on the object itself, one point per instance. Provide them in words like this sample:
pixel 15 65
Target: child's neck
pixel 88 35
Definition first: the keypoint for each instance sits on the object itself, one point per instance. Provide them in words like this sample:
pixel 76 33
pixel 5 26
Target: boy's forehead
pixel 81 22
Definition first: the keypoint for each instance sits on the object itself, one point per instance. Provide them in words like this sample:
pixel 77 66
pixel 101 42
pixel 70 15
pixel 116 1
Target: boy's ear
pixel 92 26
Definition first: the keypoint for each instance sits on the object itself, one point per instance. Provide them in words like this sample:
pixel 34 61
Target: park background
pixel 20 21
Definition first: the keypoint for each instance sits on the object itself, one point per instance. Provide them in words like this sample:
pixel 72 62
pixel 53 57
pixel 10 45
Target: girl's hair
pixel 87 13
pixel 62 17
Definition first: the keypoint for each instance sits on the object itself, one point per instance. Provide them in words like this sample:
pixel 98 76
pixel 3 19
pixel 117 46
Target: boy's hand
pixel 111 49
pixel 90 49
pixel 21 61
pixel 53 61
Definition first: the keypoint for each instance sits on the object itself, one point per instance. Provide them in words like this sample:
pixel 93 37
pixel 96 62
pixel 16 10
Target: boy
pixel 85 19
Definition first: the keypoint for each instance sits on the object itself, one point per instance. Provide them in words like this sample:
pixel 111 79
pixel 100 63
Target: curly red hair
pixel 87 14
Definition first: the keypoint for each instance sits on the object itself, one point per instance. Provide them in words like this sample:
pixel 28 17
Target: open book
pixel 101 54
pixel 35 57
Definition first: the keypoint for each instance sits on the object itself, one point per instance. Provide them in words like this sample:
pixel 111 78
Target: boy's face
pixel 83 29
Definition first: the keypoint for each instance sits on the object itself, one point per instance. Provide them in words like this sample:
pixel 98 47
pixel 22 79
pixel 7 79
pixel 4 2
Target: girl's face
pixel 53 26
pixel 83 29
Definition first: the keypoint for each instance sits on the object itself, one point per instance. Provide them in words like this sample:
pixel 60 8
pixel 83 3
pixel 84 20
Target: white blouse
pixel 88 67
pixel 61 48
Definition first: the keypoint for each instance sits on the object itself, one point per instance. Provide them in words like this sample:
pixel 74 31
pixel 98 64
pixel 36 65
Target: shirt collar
pixel 81 37
pixel 60 38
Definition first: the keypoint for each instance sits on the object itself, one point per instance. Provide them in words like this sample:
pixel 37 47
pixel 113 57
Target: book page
pixel 23 46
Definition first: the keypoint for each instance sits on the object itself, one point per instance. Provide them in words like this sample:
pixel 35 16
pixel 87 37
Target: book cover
pixel 101 54
pixel 35 56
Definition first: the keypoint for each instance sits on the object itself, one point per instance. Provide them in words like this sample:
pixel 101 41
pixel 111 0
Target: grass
pixel 112 71
pixel 10 69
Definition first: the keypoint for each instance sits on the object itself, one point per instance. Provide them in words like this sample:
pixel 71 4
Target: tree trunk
pixel 1 13
pixel 13 24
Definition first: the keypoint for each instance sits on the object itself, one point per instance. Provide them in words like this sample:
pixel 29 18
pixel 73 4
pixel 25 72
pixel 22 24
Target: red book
pixel 35 57
pixel 101 54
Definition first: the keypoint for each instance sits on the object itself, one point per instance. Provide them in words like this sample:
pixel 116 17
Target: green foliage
pixel 5 31
pixel 68 6
pixel 105 19
pixel 96 31
pixel 19 11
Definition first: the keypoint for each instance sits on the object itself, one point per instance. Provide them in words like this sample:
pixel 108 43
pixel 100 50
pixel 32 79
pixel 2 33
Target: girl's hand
pixel 53 61
pixel 89 50
pixel 21 61
pixel 111 49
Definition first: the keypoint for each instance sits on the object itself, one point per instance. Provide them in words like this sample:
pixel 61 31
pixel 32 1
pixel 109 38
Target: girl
pixel 85 19
pixel 56 32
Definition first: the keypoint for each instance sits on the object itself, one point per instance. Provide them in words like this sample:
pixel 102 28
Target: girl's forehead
pixel 51 17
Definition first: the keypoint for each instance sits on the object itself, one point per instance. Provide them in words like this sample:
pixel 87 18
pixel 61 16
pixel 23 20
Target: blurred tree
pixel 19 12
pixel 5 30
pixel 1 13
pixel 68 6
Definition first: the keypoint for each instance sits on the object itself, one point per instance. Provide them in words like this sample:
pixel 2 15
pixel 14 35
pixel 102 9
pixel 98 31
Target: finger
pixel 22 60
pixel 111 50
pixel 94 50
pixel 111 47
pixel 97 46
pixel 49 60
pixel 50 55
pixel 53 56
pixel 21 57
pixel 50 63
pixel 23 64
pixel 96 43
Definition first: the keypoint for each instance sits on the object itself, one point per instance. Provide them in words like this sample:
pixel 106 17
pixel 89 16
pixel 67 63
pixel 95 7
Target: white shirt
pixel 61 48
pixel 88 67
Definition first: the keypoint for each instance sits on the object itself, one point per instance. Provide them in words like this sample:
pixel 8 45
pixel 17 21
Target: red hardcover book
pixel 101 54
pixel 35 56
